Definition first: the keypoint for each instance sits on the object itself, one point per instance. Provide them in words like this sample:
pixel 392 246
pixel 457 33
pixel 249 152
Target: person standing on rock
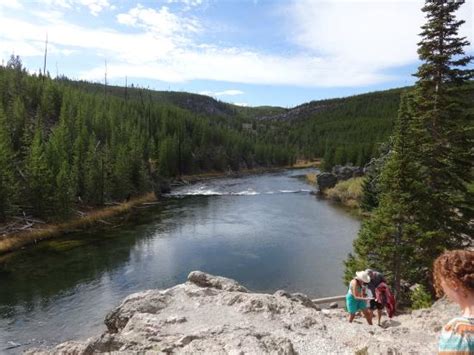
pixel 453 274
pixel 356 300
pixel 376 278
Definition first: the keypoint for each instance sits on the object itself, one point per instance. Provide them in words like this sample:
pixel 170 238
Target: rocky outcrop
pixel 347 172
pixel 160 185
pixel 300 112
pixel 216 315
pixel 338 173
pixel 326 181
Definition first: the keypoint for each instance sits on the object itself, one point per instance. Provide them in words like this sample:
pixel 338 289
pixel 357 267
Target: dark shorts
pixel 375 305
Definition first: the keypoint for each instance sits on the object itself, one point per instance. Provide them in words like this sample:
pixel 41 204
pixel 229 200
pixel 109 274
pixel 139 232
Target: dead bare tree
pixel 105 81
pixel 45 56
pixel 126 87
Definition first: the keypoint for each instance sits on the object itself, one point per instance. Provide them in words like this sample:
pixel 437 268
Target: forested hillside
pixel 350 129
pixel 339 130
pixel 62 144
pixel 345 130
pixel 196 103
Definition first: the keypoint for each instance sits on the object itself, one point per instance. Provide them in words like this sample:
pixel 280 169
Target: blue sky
pixel 255 52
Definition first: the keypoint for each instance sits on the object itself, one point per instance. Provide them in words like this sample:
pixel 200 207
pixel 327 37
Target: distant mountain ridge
pixel 207 105
pixel 196 103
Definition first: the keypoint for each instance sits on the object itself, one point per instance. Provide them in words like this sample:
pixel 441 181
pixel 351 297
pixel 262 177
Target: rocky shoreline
pixel 327 180
pixel 216 315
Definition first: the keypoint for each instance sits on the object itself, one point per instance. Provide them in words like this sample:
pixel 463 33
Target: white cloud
pixel 342 43
pixel 94 6
pixel 371 35
pixel 188 4
pixel 162 22
pixel 23 49
pixel 233 65
pixel 133 49
pixel 65 4
pixel 11 4
pixel 231 92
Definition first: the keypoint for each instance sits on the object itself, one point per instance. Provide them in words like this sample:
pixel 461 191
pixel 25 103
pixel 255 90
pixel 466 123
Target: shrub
pixel 312 178
pixel 348 192
pixel 420 298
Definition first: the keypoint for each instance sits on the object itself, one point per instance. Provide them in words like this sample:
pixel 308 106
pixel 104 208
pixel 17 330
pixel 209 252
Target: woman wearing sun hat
pixel 355 298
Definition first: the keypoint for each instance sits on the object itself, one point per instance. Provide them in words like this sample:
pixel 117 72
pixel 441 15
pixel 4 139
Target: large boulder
pixel 202 279
pixel 161 185
pixel 357 171
pixel 347 171
pixel 326 181
pixel 343 172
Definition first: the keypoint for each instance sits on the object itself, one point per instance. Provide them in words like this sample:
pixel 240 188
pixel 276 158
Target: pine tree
pixel 79 156
pixel 423 206
pixel 58 148
pixel 18 122
pixel 122 173
pixel 370 187
pixel 39 177
pixel 8 185
pixel 328 159
pixel 441 130
pixel 168 160
pixel 94 173
pixel 388 239
pixel 64 191
pixel 340 156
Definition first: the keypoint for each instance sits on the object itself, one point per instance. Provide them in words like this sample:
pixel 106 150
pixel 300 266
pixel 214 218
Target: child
pixel 453 273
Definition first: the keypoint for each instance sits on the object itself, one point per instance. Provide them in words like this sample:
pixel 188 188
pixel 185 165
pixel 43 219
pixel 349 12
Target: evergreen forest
pixel 64 142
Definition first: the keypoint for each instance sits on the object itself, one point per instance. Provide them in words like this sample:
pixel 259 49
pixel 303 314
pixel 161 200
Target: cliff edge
pixel 216 315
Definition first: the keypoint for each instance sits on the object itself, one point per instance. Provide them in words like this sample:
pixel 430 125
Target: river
pixel 266 231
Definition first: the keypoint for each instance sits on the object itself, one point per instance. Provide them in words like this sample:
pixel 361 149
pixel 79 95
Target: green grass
pixel 348 193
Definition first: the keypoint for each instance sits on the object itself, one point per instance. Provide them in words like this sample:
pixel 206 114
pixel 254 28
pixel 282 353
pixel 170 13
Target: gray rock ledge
pixel 216 315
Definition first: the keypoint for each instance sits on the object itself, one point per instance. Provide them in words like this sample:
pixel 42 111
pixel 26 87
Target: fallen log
pixel 29 219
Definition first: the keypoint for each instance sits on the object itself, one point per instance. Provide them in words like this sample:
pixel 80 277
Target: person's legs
pixel 351 304
pixel 368 315
pixel 373 307
pixel 379 315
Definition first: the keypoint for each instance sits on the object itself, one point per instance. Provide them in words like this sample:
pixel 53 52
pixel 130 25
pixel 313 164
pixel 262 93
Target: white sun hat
pixel 363 276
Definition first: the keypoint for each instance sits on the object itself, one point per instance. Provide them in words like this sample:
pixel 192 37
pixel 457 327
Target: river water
pixel 266 231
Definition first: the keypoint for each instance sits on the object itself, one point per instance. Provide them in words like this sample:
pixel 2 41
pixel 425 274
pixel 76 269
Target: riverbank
pixel 213 314
pixel 347 194
pixel 38 232
pixel 34 231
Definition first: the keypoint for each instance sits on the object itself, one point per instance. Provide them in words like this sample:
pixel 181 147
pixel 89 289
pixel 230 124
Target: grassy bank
pixel 346 193
pixel 14 241
pixel 302 164
pixel 312 178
